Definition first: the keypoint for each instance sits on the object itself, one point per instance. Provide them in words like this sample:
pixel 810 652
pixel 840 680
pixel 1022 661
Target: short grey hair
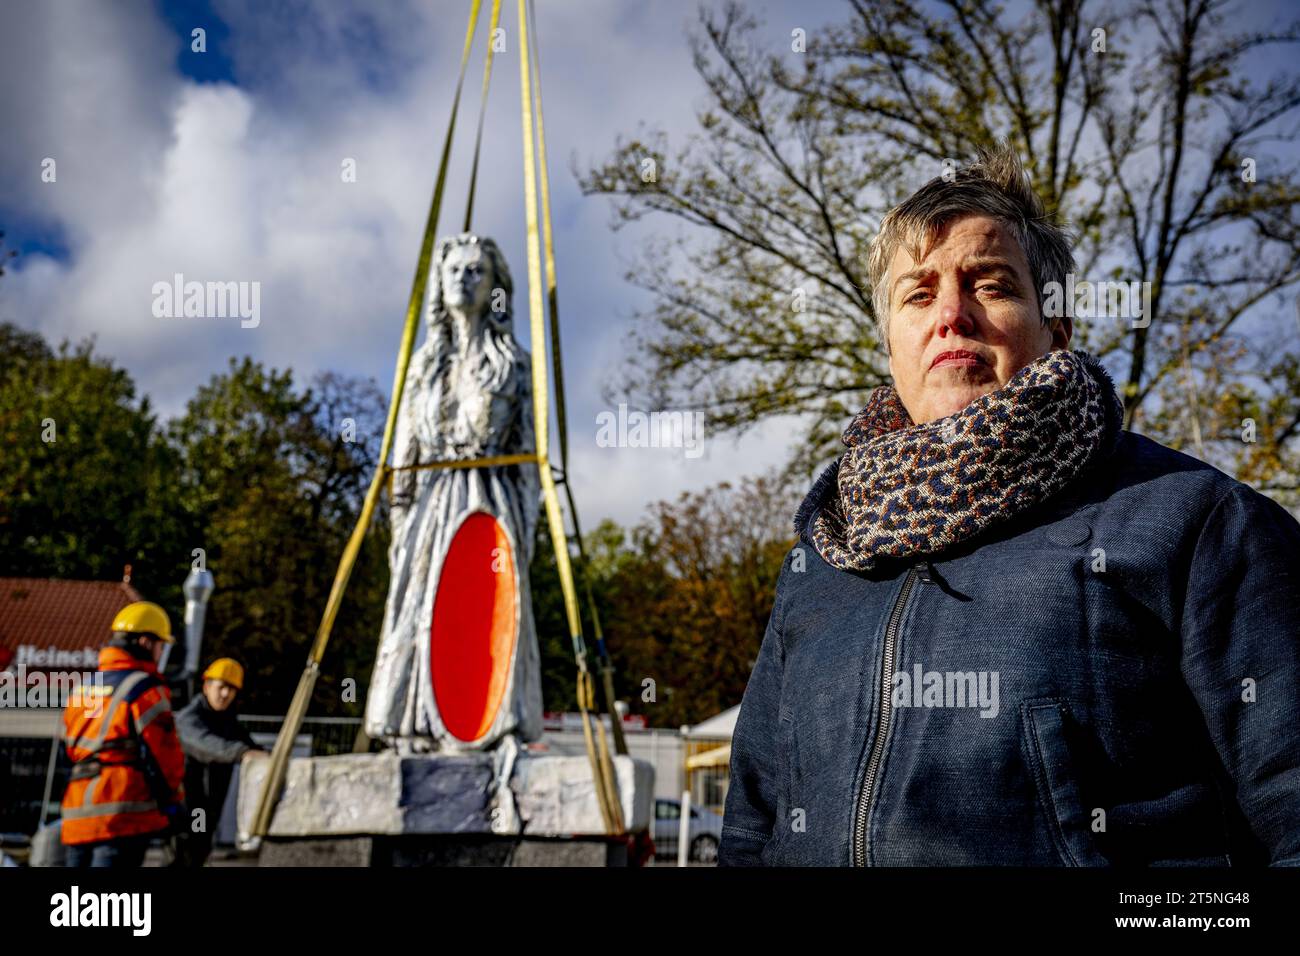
pixel 995 186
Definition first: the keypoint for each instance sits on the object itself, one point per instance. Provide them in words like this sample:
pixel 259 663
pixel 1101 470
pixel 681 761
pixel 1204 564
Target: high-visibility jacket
pixel 127 759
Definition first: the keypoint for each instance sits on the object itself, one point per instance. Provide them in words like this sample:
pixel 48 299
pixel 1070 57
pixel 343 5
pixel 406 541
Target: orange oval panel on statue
pixel 474 627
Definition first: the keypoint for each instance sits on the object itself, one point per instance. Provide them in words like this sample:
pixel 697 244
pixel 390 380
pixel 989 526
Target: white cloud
pixel 86 86
pixel 620 482
pixel 159 175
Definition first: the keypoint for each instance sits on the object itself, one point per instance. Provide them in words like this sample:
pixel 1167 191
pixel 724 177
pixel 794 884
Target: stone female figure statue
pixel 458 664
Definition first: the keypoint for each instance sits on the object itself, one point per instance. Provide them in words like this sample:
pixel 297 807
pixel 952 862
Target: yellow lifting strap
pixel 561 416
pixel 482 109
pixel 302 695
pixel 602 767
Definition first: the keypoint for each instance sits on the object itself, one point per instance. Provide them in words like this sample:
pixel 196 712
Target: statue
pixel 458 664
pixel 456 689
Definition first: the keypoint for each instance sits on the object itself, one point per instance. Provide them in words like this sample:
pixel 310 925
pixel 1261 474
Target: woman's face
pixel 467 279
pixel 964 319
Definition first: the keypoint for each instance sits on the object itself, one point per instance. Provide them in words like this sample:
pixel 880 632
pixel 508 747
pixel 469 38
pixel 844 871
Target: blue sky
pixel 225 165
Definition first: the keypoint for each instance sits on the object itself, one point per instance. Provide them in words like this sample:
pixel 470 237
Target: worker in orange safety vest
pixel 127 764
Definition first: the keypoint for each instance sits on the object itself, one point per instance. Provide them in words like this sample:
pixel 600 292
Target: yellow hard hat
pixel 144 617
pixel 227 669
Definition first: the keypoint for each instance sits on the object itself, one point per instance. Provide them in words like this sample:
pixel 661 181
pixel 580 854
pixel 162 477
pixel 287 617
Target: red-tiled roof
pixel 41 615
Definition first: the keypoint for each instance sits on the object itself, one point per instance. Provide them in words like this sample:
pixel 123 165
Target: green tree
pixel 1147 125
pixel 88 484
pixel 684 598
pixel 558 667
pixel 273 478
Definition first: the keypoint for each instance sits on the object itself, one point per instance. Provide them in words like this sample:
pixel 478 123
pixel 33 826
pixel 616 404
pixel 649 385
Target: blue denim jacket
pixel 1112 678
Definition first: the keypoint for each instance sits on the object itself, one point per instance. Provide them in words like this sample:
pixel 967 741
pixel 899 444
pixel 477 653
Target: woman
pixel 1012 632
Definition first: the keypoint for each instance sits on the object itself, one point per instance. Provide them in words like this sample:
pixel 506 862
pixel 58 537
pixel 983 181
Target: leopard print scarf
pixel 907 490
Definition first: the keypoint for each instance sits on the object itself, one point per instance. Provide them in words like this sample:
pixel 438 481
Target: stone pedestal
pixel 373 798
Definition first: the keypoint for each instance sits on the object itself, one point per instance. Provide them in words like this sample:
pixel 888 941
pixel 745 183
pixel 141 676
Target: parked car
pixel 704 831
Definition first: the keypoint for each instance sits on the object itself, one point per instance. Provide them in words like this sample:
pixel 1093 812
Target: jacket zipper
pixel 888 654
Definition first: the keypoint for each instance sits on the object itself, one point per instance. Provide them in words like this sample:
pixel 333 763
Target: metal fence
pixel 708 771
pixel 24 766
pixel 329 735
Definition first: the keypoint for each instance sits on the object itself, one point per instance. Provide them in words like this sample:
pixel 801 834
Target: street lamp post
pixel 198 588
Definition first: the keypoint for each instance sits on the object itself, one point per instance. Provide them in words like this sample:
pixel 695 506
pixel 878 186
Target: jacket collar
pixel 824 488
pixel 119 659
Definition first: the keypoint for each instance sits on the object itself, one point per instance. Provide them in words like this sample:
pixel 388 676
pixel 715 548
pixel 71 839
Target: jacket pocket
pixel 1045 728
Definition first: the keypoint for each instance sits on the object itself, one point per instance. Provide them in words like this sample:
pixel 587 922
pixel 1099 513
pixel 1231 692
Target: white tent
pixel 718 726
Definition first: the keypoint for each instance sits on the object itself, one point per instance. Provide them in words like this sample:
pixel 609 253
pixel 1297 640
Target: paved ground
pixel 157 857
